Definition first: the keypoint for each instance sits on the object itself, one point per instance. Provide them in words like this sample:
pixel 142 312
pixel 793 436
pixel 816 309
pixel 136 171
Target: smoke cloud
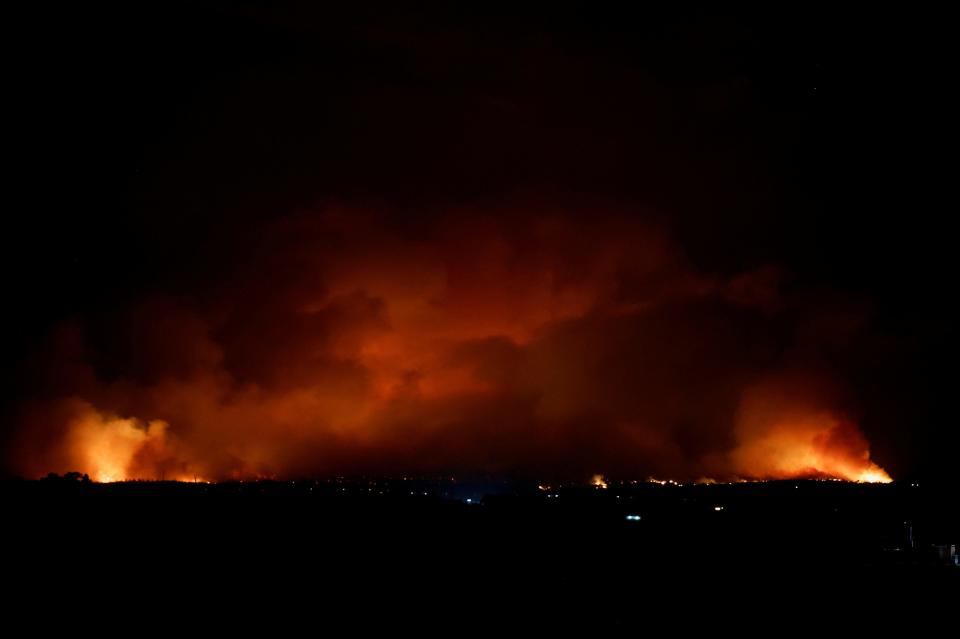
pixel 539 342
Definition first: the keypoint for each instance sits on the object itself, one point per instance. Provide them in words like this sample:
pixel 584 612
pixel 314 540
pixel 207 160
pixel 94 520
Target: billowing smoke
pixel 535 342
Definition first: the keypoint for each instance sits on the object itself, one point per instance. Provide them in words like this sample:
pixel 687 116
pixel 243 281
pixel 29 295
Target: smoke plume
pixel 538 342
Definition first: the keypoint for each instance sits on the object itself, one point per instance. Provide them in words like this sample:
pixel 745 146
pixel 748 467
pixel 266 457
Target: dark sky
pixel 175 161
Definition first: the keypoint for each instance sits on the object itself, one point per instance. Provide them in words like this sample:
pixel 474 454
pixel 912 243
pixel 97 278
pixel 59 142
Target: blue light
pixel 633 517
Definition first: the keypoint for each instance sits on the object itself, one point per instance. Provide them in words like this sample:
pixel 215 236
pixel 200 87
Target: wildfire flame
pixel 875 475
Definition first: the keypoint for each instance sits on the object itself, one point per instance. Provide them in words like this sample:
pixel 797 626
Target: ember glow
pixel 533 342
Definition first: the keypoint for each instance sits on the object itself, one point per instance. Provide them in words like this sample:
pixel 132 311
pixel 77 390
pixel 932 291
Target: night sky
pixel 278 240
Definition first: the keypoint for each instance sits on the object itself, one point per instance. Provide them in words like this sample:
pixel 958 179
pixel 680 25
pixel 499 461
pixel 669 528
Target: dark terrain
pixel 407 530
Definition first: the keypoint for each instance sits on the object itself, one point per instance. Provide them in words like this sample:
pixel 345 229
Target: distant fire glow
pixel 786 437
pixel 112 449
pixel 537 342
pixel 874 476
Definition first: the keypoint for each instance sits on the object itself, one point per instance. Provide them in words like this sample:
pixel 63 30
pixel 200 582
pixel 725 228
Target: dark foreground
pixel 480 541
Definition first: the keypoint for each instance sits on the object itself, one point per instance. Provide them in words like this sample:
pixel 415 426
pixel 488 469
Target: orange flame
pixel 875 475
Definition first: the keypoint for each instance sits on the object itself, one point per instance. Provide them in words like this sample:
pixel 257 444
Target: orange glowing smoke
pixel 533 341
pixel 784 436
pixel 804 449
pixel 112 448
pixel 106 446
